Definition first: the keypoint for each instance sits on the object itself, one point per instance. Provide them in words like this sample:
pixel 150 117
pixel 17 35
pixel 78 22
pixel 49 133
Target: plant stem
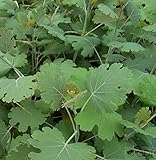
pixel 142 126
pixel 83 30
pixel 89 138
pixel 152 117
pixel 71 119
pixel 98 156
pixel 85 20
pixel 143 151
pixel 98 26
pixel 110 50
pixel 65 145
pixel 12 66
pixel 95 51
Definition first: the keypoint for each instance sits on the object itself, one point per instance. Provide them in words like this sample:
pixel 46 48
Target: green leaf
pixel 87 44
pixel 135 156
pixel 7 61
pixel 107 11
pixel 53 146
pixel 148 90
pixel 129 112
pixel 78 3
pixel 22 151
pixel 79 76
pixel 127 46
pixel 65 127
pixel 26 116
pixel 107 86
pixel 18 25
pixel 151 131
pixel 9 5
pixel 55 31
pixel 7 42
pixel 39 15
pixel 108 123
pixel 138 129
pixel 51 81
pixel 101 18
pixel 17 89
pixel 150 28
pixel 16 142
pixel 141 63
pixel 142 116
pixel 3 112
pixel 133 12
pixel 131 46
pixel 146 142
pixel 115 150
pixel 42 106
pixel 53 27
pixel 138 77
pixel 5 137
pixel 149 52
pixel 60 18
pixel 147 9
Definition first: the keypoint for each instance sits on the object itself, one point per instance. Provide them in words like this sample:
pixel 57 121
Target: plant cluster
pixel 77 80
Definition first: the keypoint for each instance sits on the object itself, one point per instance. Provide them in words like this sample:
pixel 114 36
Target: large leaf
pixel 24 116
pixel 107 86
pixel 108 123
pixel 16 142
pixel 116 150
pixel 53 146
pixel 22 151
pixel 51 81
pixel 17 89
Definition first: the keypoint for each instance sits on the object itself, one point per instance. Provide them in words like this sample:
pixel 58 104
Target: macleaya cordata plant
pixel 77 80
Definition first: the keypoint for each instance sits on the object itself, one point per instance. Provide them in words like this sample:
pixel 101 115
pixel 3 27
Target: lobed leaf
pixel 16 90
pixel 52 145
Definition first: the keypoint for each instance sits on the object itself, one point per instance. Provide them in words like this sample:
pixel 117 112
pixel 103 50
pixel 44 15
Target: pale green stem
pixel 143 151
pixel 98 26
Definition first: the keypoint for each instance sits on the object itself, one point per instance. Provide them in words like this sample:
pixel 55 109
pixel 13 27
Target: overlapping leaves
pixel 52 145
pixel 108 123
pixel 85 100
pixel 24 116
pixel 51 81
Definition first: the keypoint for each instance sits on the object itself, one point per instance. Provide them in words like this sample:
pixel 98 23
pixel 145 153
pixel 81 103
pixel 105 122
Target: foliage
pixel 77 79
